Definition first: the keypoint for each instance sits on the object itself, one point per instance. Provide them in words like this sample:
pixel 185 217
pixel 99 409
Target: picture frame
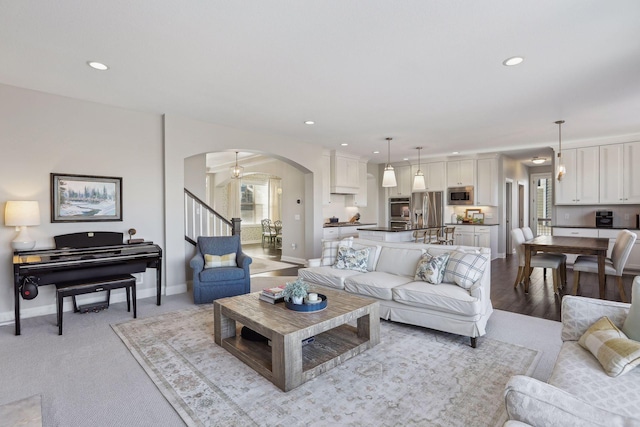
pixel 478 218
pixel 469 213
pixel 85 198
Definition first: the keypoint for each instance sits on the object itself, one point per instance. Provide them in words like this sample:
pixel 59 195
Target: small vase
pixel 297 300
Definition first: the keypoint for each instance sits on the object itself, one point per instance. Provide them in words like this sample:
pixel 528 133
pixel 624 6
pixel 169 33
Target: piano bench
pixel 81 287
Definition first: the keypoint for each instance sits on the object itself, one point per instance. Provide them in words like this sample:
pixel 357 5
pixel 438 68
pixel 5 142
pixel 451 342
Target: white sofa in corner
pixel 390 279
pixel 579 392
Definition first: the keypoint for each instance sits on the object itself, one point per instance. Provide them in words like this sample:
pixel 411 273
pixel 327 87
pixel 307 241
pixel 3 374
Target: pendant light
pixel 560 170
pixel 389 176
pixel 236 171
pixel 418 180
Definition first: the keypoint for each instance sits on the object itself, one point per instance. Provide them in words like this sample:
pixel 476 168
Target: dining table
pixel 567 245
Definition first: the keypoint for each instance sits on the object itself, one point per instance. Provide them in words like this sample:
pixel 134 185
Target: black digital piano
pixel 83 256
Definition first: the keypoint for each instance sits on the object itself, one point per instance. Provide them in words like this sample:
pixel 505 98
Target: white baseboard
pixel 293 260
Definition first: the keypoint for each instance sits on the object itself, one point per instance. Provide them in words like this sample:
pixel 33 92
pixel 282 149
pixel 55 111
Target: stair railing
pixel 201 219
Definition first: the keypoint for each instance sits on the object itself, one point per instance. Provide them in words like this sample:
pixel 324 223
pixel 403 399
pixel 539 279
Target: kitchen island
pixel 386 234
pixel 340 230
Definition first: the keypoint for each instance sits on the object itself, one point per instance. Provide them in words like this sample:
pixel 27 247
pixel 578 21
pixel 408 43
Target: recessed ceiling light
pixel 309 122
pixel 514 60
pixel 455 152
pixel 406 158
pixel 344 144
pixel 97 65
pixel 538 160
pixel 376 152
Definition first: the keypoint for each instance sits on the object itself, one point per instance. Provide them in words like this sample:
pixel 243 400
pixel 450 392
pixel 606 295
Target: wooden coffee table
pixel 286 362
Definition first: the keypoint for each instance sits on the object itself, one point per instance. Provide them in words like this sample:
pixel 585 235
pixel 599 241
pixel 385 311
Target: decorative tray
pixel 307 307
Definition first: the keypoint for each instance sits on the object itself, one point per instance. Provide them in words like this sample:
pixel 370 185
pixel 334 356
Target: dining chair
pixel 557 262
pixel 447 239
pixel 277 228
pixel 613 266
pixel 268 233
pixel 418 236
pixel 528 235
pixel 432 235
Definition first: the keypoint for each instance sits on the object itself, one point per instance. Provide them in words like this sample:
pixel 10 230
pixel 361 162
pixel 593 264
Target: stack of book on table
pixel 273 295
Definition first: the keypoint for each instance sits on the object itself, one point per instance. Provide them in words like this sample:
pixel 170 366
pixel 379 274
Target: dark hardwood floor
pixel 539 302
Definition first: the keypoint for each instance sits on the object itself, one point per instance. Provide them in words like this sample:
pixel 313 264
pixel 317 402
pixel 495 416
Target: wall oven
pixel 460 195
pixel 400 208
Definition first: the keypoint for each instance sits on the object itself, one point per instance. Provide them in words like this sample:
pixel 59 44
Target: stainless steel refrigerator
pixel 427 209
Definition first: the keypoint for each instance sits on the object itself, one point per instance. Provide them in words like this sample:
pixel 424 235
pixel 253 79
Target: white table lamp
pixel 21 214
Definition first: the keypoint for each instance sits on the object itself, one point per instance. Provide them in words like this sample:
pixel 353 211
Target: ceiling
pixel 424 72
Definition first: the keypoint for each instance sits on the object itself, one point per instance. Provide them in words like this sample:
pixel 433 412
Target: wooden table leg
pixel 223 326
pixel 527 268
pixel 601 276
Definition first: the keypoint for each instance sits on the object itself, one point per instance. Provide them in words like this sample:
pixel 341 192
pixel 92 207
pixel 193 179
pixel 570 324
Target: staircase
pixel 201 220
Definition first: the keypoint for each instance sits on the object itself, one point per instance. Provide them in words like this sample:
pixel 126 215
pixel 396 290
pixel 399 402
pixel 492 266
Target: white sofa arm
pixel 314 262
pixel 579 313
pixel 534 402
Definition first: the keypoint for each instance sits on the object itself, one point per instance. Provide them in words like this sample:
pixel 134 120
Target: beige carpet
pixel 262 265
pixel 415 376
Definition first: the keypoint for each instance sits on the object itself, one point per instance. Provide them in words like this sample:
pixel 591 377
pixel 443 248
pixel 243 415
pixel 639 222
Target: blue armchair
pixel 219 282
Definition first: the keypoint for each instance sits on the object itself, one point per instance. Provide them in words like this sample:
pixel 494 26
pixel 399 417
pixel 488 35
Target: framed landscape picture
pixel 84 198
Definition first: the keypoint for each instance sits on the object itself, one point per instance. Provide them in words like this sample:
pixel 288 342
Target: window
pixel 254 202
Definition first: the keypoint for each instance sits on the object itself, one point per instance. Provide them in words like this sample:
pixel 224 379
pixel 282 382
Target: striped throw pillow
pixel 616 353
pixel 214 261
pixel 330 250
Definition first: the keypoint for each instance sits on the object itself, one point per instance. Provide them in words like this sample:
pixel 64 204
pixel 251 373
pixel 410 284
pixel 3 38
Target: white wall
pixel 184 137
pixel 41 134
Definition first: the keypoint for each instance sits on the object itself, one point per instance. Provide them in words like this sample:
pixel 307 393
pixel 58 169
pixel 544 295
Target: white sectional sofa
pixel 389 278
pixel 579 391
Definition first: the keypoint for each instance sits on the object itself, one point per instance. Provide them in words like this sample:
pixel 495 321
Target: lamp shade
pixel 418 182
pixel 389 177
pixel 21 213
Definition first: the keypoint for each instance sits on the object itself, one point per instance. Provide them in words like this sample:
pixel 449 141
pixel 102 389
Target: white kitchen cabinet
pixel 345 170
pixel 360 198
pixel 326 179
pixel 484 236
pixel 404 181
pixel 435 176
pixel 486 191
pixel 461 173
pixel 619 173
pixel 331 233
pixel 580 185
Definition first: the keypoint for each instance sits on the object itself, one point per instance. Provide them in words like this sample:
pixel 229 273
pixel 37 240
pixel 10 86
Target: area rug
pixel 24 412
pixel 262 265
pixel 415 376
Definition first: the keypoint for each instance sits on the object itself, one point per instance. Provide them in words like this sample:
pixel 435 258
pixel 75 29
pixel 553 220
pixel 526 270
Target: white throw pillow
pixel 631 326
pixel 431 268
pixel 464 269
pixel 330 250
pixel 214 261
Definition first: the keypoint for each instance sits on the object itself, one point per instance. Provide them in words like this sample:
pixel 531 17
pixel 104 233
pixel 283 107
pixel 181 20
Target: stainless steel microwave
pixel 460 195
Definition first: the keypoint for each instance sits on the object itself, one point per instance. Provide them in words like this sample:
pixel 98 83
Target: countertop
pixel 346 224
pixel 469 223
pixel 593 227
pixel 394 230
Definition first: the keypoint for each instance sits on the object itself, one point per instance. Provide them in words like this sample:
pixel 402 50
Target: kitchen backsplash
pixel 623 215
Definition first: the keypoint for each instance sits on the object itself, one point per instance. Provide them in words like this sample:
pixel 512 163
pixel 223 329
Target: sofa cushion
pixel 374 254
pixel 431 268
pixel 579 373
pixel 464 269
pixel 400 261
pixel 445 297
pixel 326 276
pixel 374 284
pixel 631 326
pixel 221 274
pixel 214 261
pixel 330 250
pixel 616 353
